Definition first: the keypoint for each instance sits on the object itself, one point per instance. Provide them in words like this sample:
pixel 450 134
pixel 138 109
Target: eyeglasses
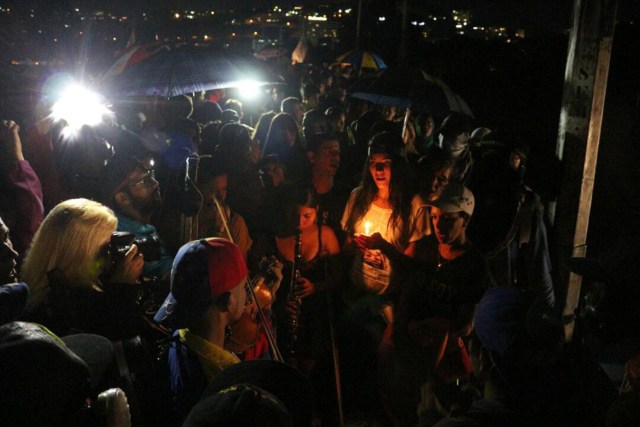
pixel 149 179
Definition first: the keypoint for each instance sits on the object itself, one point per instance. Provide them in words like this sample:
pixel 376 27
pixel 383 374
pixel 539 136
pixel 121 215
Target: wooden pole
pixel 585 87
pixel 403 52
pixel 358 23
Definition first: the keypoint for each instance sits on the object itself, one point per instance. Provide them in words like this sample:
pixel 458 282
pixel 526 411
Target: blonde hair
pixel 69 239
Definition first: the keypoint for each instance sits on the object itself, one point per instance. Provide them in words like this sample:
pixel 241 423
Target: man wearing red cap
pixel 208 293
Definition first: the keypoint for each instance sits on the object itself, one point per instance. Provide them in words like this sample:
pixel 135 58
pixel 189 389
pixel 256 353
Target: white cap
pixel 455 198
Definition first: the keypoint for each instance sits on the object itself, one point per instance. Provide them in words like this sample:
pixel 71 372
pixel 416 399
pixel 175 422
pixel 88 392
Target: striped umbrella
pixel 360 58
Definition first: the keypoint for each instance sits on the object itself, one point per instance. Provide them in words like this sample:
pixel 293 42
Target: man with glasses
pixel 131 190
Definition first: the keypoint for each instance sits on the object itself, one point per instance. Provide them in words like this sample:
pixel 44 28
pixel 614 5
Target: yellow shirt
pixel 213 358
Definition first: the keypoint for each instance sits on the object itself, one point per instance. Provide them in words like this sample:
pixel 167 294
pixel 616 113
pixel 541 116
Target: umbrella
pixel 133 56
pixel 182 69
pixel 360 58
pixel 270 52
pixel 415 89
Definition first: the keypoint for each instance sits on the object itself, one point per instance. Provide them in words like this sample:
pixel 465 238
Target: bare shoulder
pixel 329 239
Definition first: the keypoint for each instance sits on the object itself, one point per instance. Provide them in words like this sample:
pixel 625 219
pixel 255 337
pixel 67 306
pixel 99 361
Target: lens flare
pixel 249 89
pixel 78 106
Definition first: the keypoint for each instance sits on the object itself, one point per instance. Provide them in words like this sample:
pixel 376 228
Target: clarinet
pixel 297 302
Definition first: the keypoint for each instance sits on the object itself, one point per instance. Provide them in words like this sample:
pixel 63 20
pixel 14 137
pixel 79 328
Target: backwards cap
pixel 202 271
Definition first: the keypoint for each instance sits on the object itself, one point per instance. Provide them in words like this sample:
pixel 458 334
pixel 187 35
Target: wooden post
pixel 579 136
pixel 403 51
pixel 358 23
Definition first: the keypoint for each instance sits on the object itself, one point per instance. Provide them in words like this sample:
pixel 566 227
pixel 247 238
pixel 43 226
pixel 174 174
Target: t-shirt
pixel 461 281
pixel 193 363
pixel 371 270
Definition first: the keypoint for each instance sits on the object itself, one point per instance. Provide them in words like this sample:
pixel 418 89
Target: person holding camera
pixel 75 286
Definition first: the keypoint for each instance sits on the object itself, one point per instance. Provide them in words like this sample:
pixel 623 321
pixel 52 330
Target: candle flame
pixel 367 227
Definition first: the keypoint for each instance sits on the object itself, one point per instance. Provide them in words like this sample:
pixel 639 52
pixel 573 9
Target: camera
pixel 121 241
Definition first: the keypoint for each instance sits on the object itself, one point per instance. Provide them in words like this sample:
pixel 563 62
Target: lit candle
pixel 367 227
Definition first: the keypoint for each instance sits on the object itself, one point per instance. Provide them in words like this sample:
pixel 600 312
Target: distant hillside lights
pixel 317 17
pixel 461 17
pixel 192 14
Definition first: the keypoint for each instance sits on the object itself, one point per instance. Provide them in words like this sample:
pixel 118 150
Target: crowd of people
pixel 335 263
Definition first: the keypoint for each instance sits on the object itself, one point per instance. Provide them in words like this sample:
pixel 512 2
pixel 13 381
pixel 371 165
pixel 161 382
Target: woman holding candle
pixel 383 216
pixel 383 220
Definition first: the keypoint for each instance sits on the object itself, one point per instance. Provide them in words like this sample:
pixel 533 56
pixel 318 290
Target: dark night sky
pixel 529 14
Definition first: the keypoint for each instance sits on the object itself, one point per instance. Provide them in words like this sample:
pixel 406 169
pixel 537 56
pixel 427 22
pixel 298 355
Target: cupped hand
pixel 374 241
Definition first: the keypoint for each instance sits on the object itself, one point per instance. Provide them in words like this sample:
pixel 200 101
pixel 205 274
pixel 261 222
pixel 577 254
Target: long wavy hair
pixel 262 129
pixel 69 239
pixel 401 187
pixel 234 147
pixel 275 142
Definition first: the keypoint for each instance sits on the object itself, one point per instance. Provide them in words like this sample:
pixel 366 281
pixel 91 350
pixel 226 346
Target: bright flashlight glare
pixel 79 106
pixel 248 89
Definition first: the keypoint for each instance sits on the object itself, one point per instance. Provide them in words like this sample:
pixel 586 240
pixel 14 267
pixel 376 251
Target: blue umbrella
pixel 415 89
pixel 186 69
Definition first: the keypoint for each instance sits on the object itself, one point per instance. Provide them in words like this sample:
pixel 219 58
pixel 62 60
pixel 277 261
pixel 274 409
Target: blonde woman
pixel 63 268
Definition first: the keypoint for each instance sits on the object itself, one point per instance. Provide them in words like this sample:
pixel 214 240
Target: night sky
pixel 543 15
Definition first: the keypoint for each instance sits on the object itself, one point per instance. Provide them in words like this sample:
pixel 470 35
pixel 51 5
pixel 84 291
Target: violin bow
pixel 224 217
pixel 250 284
pixel 263 319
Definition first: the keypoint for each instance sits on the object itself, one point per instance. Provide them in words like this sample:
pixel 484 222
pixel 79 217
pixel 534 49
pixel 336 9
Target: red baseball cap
pixel 202 271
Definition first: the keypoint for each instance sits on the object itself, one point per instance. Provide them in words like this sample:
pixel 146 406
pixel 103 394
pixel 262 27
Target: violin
pixel 244 333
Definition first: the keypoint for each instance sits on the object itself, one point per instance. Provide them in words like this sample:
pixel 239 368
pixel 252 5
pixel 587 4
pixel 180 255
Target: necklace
pixel 441 261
